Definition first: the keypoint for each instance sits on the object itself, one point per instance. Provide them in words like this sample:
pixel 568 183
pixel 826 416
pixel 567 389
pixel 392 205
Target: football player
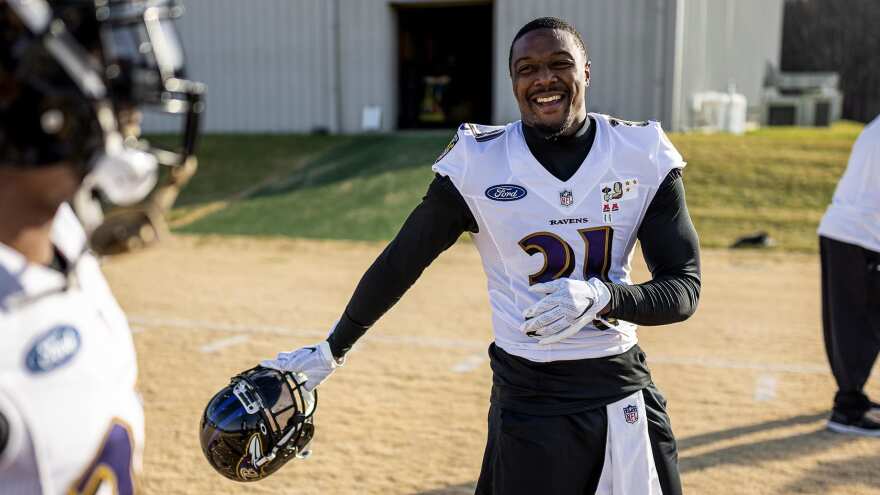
pixel 73 74
pixel 849 244
pixel 555 203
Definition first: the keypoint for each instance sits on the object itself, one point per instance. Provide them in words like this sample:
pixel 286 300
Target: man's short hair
pixel 547 23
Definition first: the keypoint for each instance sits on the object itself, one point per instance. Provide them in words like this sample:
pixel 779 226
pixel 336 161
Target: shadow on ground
pixel 717 436
pixel 863 470
pixel 858 471
pixel 754 453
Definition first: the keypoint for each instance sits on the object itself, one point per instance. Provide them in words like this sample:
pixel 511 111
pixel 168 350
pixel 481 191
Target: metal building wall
pixel 268 64
pixel 630 44
pixel 726 43
pixel 368 61
pixel 299 65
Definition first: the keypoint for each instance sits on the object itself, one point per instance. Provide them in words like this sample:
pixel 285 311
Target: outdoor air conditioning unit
pixel 806 99
pixel 804 110
pixel 781 112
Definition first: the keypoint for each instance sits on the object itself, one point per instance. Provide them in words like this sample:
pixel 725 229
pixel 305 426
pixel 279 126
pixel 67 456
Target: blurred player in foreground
pixel 73 76
pixel 555 203
pixel 849 245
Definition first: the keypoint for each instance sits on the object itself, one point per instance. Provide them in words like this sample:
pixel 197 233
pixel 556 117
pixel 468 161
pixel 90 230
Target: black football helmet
pixel 75 76
pixel 257 423
pixel 73 67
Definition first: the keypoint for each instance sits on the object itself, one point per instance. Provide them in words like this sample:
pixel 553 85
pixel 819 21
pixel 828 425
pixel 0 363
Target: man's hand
pixel 315 361
pixel 568 307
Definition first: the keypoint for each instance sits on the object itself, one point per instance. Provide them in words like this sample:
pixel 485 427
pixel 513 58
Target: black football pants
pixel 850 320
pixel 564 454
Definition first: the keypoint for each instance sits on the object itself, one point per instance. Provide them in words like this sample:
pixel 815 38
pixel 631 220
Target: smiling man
pixel 554 203
pixel 550 73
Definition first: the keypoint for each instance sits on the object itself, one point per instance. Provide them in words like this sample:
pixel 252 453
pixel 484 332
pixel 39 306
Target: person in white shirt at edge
pixel 849 246
pixel 554 203
pixel 71 421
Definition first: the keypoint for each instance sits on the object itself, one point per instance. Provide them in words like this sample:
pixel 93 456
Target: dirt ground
pixel 746 377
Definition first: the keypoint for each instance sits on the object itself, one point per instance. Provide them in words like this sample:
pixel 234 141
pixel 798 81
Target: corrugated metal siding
pixel 627 44
pixel 275 66
pixel 368 61
pixel 267 63
pixel 727 42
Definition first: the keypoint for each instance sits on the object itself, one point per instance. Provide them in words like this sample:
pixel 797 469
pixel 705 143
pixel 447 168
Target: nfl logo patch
pixel 631 414
pixel 566 198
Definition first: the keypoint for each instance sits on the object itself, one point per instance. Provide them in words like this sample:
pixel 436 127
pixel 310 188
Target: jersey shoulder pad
pixel 482 133
pixel 644 131
pixel 616 122
pixel 469 138
pixel 666 155
pixel 452 162
pixel 649 138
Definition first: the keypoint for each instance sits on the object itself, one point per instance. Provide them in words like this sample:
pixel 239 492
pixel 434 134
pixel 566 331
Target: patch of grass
pixel 779 180
pixel 361 188
pixel 230 163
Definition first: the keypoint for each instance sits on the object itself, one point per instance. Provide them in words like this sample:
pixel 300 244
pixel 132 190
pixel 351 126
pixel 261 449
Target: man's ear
pixel 587 73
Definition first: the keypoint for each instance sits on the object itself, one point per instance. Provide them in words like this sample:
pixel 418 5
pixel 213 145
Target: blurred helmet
pixel 257 423
pixel 74 77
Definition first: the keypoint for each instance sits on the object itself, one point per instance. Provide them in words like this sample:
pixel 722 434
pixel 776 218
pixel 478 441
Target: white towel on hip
pixel 629 467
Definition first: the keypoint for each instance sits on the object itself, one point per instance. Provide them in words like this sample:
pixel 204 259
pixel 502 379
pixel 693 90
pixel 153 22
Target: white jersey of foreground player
pixel 67 375
pixel 854 214
pixel 534 227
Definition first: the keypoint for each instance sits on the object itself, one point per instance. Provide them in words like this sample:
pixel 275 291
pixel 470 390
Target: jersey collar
pixel 22 281
pixel 536 179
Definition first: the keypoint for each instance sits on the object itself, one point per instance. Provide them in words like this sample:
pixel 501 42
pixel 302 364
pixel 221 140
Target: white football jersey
pixel 67 375
pixel 535 228
pixel 854 214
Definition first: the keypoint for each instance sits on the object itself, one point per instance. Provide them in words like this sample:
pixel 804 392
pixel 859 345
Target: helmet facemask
pixel 288 414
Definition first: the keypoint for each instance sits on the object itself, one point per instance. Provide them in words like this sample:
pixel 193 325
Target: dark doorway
pixel 444 66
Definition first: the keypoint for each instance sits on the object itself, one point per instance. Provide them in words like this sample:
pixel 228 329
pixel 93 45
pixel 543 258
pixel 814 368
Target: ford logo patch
pixel 53 349
pixel 506 192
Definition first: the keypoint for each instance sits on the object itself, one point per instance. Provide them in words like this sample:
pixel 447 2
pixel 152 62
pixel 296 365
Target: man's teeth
pixel 548 99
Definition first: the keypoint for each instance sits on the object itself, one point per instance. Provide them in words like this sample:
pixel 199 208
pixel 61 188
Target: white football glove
pixel 315 361
pixel 569 306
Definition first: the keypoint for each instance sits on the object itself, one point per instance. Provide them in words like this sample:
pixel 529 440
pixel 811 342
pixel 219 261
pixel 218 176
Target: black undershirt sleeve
pixel 672 252
pixel 432 227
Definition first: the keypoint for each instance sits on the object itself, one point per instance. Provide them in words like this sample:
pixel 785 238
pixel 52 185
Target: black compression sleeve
pixel 672 252
pixel 435 224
